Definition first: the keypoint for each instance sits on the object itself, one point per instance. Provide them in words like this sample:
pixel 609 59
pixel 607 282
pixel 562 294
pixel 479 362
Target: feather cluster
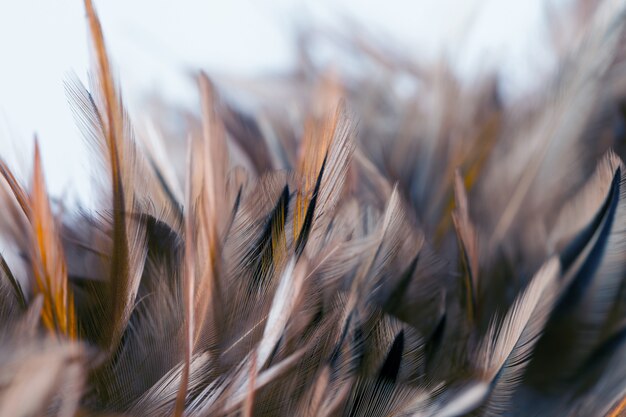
pixel 390 242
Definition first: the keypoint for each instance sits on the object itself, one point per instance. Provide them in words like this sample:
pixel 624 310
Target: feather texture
pixel 454 255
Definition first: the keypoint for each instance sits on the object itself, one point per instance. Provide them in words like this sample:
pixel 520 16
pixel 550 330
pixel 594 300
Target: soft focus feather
pixel 454 255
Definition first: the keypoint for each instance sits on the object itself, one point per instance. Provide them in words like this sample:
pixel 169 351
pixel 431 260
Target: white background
pixel 155 43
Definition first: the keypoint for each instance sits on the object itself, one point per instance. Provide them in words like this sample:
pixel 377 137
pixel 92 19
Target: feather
pixel 247 133
pixel 50 271
pixel 189 285
pixel 128 255
pixel 589 310
pixel 505 351
pixel 323 167
pixel 285 300
pixel 38 373
pixel 45 254
pixel 468 241
pixel 312 268
pixel 212 171
pixel 569 107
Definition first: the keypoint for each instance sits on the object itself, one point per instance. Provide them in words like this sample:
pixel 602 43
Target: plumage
pixel 332 244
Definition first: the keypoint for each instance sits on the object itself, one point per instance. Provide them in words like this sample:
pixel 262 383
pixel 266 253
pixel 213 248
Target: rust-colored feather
pixel 46 253
pixel 50 270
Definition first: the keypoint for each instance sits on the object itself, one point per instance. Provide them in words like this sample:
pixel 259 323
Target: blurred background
pixel 157 45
